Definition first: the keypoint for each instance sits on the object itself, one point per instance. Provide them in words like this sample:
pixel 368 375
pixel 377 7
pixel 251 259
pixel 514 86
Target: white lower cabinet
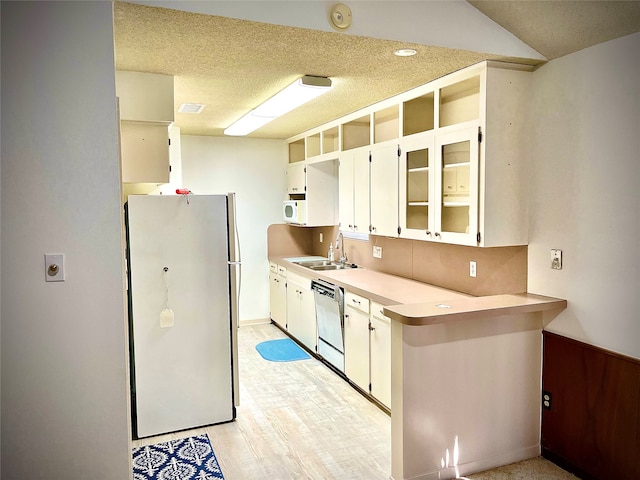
pixel 356 339
pixel 380 348
pixel 301 310
pixel 278 294
pixel 367 347
pixel 367 331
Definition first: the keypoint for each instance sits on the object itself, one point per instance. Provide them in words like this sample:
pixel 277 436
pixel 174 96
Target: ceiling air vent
pixel 191 108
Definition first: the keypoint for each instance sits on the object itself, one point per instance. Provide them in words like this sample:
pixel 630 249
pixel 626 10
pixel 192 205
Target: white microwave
pixel 295 211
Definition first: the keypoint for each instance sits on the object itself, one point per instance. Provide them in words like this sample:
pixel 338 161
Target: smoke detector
pixel 340 16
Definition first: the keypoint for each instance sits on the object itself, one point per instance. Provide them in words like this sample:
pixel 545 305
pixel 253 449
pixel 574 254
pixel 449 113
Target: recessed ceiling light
pixel 191 108
pixel 405 52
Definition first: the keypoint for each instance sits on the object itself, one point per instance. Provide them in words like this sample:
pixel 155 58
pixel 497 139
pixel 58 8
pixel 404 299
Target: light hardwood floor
pixel 299 420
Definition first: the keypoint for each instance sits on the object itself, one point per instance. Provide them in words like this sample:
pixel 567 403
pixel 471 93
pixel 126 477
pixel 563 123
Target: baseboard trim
pixel 565 465
pixel 255 321
pixel 482 464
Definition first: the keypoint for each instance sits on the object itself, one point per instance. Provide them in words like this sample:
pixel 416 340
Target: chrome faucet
pixel 340 241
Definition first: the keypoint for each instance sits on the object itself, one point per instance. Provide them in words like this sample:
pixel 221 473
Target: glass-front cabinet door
pixel 418 171
pixel 456 208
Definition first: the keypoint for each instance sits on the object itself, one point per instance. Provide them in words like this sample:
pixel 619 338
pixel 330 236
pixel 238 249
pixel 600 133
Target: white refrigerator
pixel 183 272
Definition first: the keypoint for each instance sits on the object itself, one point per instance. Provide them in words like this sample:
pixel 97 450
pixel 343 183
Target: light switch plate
pixel 377 252
pixel 54 267
pixel 556 259
pixel 472 269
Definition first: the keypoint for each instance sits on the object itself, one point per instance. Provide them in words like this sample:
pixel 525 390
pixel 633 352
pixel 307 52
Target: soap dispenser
pixel 330 252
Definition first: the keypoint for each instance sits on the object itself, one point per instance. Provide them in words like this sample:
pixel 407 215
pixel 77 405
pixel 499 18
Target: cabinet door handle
pixel 437 234
pixel 371 328
pixel 428 232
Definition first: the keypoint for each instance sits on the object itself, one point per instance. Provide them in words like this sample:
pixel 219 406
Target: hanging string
pixel 166 287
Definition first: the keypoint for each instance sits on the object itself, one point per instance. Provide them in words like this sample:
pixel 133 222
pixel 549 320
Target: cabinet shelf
pixel 386 124
pixel 456 165
pixel 356 133
pixel 313 145
pixel 418 204
pixel 455 204
pixel 418 115
pixel 418 169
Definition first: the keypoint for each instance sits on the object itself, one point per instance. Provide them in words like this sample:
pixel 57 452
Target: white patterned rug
pixel 189 458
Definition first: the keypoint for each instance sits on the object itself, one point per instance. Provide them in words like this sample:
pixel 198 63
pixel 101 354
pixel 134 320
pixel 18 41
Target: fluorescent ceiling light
pixel 298 93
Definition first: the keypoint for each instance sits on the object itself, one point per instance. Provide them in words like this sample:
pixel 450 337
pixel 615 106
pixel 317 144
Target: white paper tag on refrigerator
pixel 166 318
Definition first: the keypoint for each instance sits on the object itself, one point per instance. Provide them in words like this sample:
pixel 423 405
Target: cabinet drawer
pixel 376 311
pixel 356 301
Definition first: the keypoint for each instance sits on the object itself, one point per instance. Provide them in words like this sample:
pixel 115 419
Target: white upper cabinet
pixel 296 178
pixel 456 186
pixel 354 191
pixel 417 186
pixel 384 190
pixel 462 162
pixel 459 176
pixel 145 102
pixel 316 184
pixel 145 152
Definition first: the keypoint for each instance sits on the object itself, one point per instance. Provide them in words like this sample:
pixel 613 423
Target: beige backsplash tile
pixel 499 269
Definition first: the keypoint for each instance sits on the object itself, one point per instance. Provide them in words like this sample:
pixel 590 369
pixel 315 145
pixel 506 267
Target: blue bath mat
pixel 281 350
pixel 190 457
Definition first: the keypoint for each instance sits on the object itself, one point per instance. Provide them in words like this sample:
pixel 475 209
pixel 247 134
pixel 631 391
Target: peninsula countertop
pixel 415 303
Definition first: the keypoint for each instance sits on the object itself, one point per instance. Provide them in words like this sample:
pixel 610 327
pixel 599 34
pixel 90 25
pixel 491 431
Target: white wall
pixel 585 192
pixel 256 171
pixel 64 383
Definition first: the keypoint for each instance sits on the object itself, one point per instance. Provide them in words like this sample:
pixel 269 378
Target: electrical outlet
pixel 546 400
pixel 377 252
pixel 556 259
pixel 321 237
pixel 472 269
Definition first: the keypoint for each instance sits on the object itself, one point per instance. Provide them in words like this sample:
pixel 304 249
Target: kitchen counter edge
pixel 453 306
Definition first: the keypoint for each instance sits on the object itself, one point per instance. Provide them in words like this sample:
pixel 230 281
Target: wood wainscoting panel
pixel 592 427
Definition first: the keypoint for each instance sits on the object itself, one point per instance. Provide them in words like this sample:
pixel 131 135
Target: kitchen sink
pixel 325 265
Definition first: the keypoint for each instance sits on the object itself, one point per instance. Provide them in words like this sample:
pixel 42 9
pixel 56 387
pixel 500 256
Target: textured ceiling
pixel 557 28
pixel 233 65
